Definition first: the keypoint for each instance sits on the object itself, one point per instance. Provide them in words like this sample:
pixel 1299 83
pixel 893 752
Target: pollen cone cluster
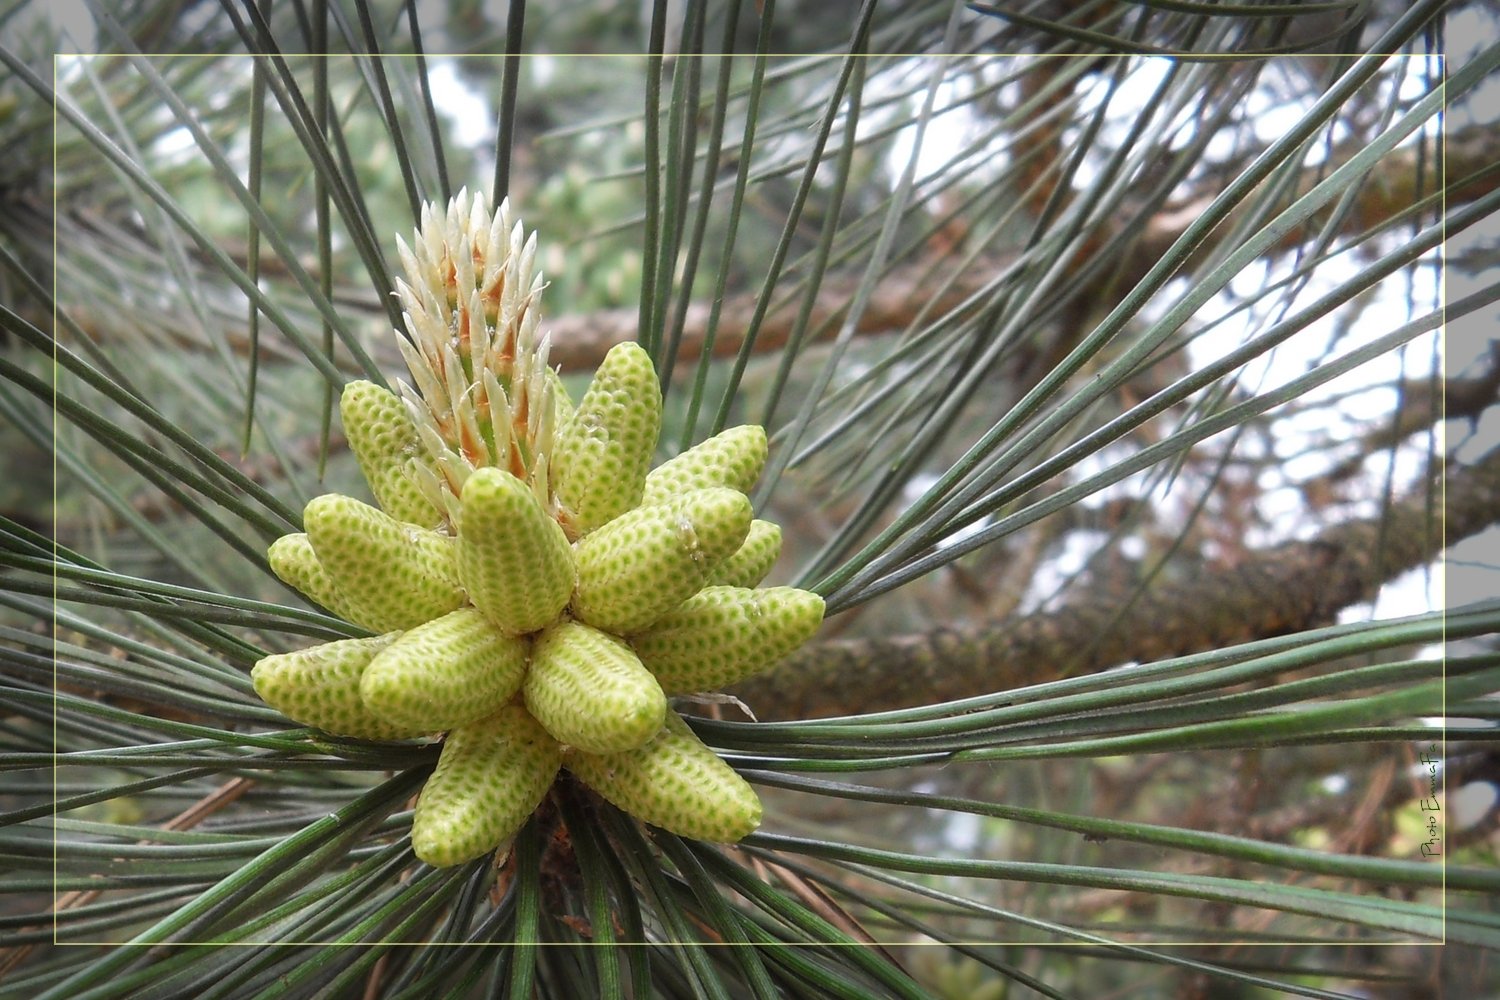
pixel 539 592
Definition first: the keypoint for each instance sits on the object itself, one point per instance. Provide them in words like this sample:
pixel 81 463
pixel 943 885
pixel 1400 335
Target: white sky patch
pixel 1319 429
pixel 1470 803
pixel 1273 116
pixel 916 486
pixel 1129 97
pixel 69 69
pixel 1390 304
pixel 961 833
pixel 175 145
pixel 1412 592
pixel 543 68
pixel 944 136
pixel 1051 578
pixel 1128 488
pixel 912 492
pixel 1284 511
pixel 473 120
pixel 953 538
pixel 1308 437
pixel 951 128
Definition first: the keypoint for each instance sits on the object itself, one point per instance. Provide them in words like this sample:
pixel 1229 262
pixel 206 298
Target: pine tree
pixel 1097 351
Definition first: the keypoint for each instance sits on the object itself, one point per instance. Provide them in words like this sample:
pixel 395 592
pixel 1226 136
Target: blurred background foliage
pixel 1099 347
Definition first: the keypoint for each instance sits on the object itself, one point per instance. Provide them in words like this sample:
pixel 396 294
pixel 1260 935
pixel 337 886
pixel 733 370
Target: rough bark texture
pixel 1295 586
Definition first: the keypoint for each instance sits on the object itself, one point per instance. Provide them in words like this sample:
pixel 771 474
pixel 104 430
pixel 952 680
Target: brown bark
pixel 579 341
pixel 1295 586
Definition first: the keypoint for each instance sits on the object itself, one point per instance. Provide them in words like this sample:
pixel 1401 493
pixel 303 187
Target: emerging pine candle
pixel 541 590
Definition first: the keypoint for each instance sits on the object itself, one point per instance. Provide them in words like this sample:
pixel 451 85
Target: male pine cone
pixel 541 593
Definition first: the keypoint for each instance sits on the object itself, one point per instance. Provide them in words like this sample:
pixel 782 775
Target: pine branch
pixel 580 340
pixel 1282 590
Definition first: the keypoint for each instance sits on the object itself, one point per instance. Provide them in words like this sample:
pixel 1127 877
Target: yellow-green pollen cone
pixel 674 782
pixel 490 776
pixel 384 440
pixel 540 591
